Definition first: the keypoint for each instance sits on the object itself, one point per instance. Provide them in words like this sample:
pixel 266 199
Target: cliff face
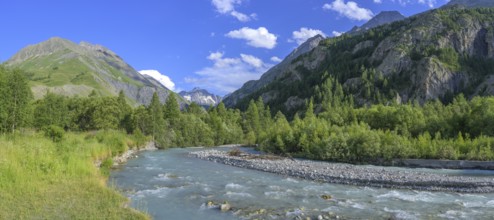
pixel 63 67
pixel 419 51
pixel 432 55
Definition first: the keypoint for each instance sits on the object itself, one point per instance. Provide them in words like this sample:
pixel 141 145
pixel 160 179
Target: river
pixel 171 185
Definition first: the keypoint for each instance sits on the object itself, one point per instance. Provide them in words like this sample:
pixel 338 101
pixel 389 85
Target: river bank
pixel 352 174
pixel 131 153
pixel 42 179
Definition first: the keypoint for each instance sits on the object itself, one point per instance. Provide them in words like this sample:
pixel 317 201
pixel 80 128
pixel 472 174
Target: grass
pixel 40 179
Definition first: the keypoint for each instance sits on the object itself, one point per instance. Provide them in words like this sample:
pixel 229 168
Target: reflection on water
pixel 170 185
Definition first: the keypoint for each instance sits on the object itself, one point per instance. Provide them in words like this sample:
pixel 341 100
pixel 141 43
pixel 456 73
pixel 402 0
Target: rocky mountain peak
pixel 384 17
pixel 201 97
pixel 307 46
pixel 471 3
pixel 50 46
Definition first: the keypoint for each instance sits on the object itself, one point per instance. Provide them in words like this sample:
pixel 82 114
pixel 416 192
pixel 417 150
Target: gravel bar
pixel 340 173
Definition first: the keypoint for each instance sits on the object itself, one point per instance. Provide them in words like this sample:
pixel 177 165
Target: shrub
pixel 55 133
pixel 235 152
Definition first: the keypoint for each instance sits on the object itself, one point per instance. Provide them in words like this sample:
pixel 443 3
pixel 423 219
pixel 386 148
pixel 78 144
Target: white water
pixel 171 185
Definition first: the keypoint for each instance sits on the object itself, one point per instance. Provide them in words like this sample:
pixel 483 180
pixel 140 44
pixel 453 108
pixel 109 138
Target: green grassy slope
pixel 40 179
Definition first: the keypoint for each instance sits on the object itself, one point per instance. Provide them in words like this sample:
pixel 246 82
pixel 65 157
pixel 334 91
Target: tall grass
pixel 40 179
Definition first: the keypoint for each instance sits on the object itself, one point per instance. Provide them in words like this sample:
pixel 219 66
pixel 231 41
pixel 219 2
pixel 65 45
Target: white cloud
pixel 378 1
pixel 304 34
pixel 228 74
pixel 260 38
pixel 228 7
pixel 430 3
pixel 337 33
pixel 252 60
pixel 163 79
pixel 350 10
pixel 276 59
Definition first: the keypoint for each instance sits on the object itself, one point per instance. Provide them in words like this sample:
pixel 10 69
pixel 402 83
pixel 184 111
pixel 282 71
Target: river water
pixel 170 185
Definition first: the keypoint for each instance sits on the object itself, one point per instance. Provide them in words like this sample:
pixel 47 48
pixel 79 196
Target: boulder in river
pixel 225 207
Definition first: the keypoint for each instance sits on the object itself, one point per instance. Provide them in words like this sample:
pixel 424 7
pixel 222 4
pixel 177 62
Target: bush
pixel 235 152
pixel 106 166
pixel 114 140
pixel 55 133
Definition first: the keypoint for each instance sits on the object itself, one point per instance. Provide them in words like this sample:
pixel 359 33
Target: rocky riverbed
pixel 352 174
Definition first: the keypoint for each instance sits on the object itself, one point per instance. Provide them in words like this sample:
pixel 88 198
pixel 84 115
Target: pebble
pixel 355 175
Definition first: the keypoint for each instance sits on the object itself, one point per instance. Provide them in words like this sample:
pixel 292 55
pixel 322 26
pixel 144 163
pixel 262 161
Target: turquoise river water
pixel 170 185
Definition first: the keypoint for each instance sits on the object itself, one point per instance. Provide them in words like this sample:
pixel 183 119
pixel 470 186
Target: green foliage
pixel 54 132
pixel 156 121
pixel 34 171
pixel 106 166
pixel 51 110
pixel 115 140
pixel 15 100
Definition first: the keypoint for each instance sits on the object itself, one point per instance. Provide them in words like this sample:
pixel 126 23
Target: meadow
pixel 43 179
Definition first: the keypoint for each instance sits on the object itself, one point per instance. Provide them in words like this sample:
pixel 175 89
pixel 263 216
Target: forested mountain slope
pixel 433 55
pixel 63 67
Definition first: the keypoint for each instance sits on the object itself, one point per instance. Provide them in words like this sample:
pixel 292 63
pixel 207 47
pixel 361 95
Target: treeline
pixel 332 130
pixel 461 130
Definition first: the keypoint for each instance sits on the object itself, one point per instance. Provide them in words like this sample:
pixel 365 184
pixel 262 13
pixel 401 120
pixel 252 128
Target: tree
pixel 51 110
pixel 125 116
pixel 17 96
pixel 171 109
pixel 252 118
pixel 157 123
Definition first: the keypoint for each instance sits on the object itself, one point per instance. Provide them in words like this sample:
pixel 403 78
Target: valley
pixel 346 126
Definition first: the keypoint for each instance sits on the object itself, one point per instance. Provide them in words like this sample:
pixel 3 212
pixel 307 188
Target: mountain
pixel 385 17
pixel 63 67
pixel 433 55
pixel 201 97
pixel 471 3
pixel 272 74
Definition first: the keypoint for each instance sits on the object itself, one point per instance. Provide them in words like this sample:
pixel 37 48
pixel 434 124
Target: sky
pixel 217 45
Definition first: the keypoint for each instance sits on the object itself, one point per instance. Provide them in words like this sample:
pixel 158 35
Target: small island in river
pixel 340 173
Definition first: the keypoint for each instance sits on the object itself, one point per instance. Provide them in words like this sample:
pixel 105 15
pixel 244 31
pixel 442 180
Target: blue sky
pixel 213 44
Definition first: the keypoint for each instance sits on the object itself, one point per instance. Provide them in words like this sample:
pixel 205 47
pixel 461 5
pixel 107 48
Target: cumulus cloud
pixel 163 79
pixel 228 73
pixel 276 59
pixel 304 34
pixel 228 7
pixel 378 1
pixel 350 10
pixel 430 3
pixel 337 33
pixel 252 60
pixel 260 38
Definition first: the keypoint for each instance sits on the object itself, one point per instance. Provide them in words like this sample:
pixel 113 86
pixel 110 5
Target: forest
pixel 331 129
